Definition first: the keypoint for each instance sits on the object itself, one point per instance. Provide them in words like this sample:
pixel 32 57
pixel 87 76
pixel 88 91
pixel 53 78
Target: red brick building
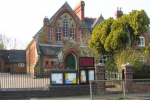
pixel 13 61
pixel 57 44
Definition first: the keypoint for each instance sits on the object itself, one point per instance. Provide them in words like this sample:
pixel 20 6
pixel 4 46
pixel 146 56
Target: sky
pixel 22 19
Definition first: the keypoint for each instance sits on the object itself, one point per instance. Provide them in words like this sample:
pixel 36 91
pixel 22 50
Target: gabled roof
pixel 71 43
pixel 63 7
pixel 17 56
pixel 89 22
pixel 98 20
pixel 49 50
pixel 4 54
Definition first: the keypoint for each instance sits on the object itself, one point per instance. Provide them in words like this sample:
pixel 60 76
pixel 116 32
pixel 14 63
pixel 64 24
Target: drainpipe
pixel 12 67
pixel 41 75
pixel 41 61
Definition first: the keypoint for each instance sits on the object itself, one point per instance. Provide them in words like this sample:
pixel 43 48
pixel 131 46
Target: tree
pixel 2 46
pixel 99 35
pixel 146 51
pixel 113 36
pixel 129 56
pixel 10 43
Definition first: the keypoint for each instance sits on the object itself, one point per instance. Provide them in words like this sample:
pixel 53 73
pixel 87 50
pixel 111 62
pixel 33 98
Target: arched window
pixel 141 41
pixel 70 61
pixel 72 33
pixel 58 34
pixel 51 33
pixel 65 28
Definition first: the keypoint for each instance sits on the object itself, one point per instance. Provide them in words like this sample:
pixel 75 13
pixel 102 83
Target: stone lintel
pixel 100 65
pixel 127 65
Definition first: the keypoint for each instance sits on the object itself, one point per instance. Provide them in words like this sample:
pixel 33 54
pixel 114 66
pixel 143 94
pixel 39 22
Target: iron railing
pixel 23 80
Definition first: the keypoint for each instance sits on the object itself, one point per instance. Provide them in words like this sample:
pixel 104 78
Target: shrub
pixel 141 76
pixel 110 65
pixel 128 56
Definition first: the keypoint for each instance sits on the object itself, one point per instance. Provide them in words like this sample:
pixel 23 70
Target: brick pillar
pixel 128 71
pixel 100 75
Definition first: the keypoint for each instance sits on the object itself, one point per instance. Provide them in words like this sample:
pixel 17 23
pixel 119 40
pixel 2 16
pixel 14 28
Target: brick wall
pixel 79 10
pixel 100 75
pixel 2 65
pixel 33 57
pixel 133 86
pixel 16 68
pixel 54 91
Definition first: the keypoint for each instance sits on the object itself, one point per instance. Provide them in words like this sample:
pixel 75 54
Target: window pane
pixel 58 34
pixel 50 33
pixel 72 33
pixel 65 28
pixel 141 41
pixel 80 35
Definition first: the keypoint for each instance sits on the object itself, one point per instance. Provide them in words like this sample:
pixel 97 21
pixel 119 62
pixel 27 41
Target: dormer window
pixel 141 41
pixel 65 28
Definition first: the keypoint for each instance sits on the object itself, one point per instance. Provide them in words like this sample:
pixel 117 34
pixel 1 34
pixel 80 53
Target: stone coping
pixel 127 64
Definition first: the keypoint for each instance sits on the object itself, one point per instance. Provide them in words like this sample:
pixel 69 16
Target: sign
pixel 65 77
pixel 83 76
pixel 91 75
pixel 57 78
pixel 70 78
pixel 86 61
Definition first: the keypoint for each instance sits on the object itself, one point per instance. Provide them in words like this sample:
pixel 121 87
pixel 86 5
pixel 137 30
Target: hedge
pixel 141 76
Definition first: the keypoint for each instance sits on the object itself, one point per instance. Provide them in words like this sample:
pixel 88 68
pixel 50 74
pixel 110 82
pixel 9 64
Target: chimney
pixel 118 13
pixel 79 10
pixel 45 20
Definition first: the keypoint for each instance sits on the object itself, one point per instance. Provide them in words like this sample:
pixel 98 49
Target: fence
pixel 106 89
pixel 23 80
pixel 113 75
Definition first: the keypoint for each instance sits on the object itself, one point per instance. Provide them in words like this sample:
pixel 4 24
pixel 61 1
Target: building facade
pixel 57 45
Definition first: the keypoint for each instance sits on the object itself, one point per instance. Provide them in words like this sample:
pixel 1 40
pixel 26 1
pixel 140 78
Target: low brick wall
pixel 141 88
pixel 54 91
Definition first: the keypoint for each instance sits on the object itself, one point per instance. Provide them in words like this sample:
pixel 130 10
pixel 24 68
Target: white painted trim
pixel 75 60
pixel 141 37
pixel 51 45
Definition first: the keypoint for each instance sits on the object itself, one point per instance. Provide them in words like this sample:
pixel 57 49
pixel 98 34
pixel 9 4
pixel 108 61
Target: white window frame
pixel 51 33
pixel 141 41
pixel 58 34
pixel 72 33
pixel 142 58
pixel 65 28
pixel 104 60
pixel 20 64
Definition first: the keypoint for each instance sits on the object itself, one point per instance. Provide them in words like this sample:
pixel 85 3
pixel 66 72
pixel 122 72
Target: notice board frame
pixel 84 58
pixel 63 73
pixel 87 77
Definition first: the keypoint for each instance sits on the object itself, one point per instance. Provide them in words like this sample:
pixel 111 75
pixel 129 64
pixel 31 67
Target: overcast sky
pixel 22 19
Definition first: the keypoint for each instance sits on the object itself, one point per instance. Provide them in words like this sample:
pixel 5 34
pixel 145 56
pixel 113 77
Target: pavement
pixel 65 98
pixel 132 96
